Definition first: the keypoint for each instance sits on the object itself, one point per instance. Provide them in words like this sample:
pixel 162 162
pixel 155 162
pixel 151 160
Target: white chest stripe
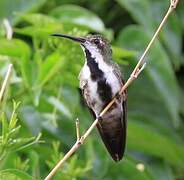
pixel 109 75
pixel 107 69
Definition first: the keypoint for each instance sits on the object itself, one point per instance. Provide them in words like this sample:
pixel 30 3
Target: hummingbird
pixel 100 80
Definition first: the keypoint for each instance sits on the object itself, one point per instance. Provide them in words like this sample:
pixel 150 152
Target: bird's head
pixel 96 45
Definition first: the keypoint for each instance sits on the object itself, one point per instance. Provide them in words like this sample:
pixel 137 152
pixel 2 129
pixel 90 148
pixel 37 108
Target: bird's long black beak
pixel 77 39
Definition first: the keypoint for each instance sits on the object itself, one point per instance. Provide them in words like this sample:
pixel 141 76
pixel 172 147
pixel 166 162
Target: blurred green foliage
pixel 45 81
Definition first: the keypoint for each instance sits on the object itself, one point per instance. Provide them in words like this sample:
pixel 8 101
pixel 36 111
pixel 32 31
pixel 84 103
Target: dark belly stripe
pixel 103 88
pixel 96 73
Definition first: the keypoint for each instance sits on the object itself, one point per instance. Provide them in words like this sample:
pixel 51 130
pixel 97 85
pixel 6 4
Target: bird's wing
pixel 117 72
pixel 124 104
pixel 113 129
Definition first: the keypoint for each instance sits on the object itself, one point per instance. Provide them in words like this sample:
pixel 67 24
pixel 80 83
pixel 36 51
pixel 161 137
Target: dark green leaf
pixel 147 140
pixel 158 70
pixel 8 8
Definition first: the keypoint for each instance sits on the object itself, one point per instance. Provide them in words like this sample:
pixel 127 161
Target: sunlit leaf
pixel 78 15
pixel 49 68
pixel 18 49
pixel 14 174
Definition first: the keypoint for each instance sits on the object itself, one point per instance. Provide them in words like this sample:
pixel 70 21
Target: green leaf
pixel 129 170
pixel 32 119
pixel 139 10
pixel 4 128
pixel 8 8
pixel 119 54
pixel 13 119
pixel 41 26
pixel 18 49
pixel 49 68
pixel 161 170
pixel 60 106
pixel 14 48
pixel 78 15
pixel 38 19
pixel 154 12
pixel 181 13
pixel 34 161
pixel 14 174
pixel 145 139
pixel 39 32
pixel 159 70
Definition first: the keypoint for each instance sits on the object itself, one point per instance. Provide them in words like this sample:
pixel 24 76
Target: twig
pixel 137 70
pixel 77 129
pixel 5 82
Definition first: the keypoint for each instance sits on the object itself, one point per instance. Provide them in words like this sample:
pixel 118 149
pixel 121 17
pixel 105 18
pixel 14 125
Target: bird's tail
pixel 113 133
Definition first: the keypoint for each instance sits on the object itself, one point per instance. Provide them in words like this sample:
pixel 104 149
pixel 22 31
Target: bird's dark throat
pixel 103 88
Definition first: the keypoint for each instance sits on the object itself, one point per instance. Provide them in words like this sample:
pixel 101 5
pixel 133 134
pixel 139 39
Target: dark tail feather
pixel 114 137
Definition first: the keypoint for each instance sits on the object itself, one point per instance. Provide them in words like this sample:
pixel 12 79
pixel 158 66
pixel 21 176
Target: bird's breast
pixel 100 91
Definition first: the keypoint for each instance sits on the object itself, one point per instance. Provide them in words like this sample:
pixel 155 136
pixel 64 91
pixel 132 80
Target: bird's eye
pixel 96 41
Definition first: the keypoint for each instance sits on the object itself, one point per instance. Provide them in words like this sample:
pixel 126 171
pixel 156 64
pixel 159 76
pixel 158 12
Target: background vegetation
pixel 44 81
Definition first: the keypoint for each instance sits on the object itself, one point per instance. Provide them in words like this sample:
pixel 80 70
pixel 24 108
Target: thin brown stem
pixel 77 129
pixel 137 70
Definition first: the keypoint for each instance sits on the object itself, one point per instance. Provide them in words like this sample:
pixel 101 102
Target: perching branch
pixel 135 73
pixel 77 129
